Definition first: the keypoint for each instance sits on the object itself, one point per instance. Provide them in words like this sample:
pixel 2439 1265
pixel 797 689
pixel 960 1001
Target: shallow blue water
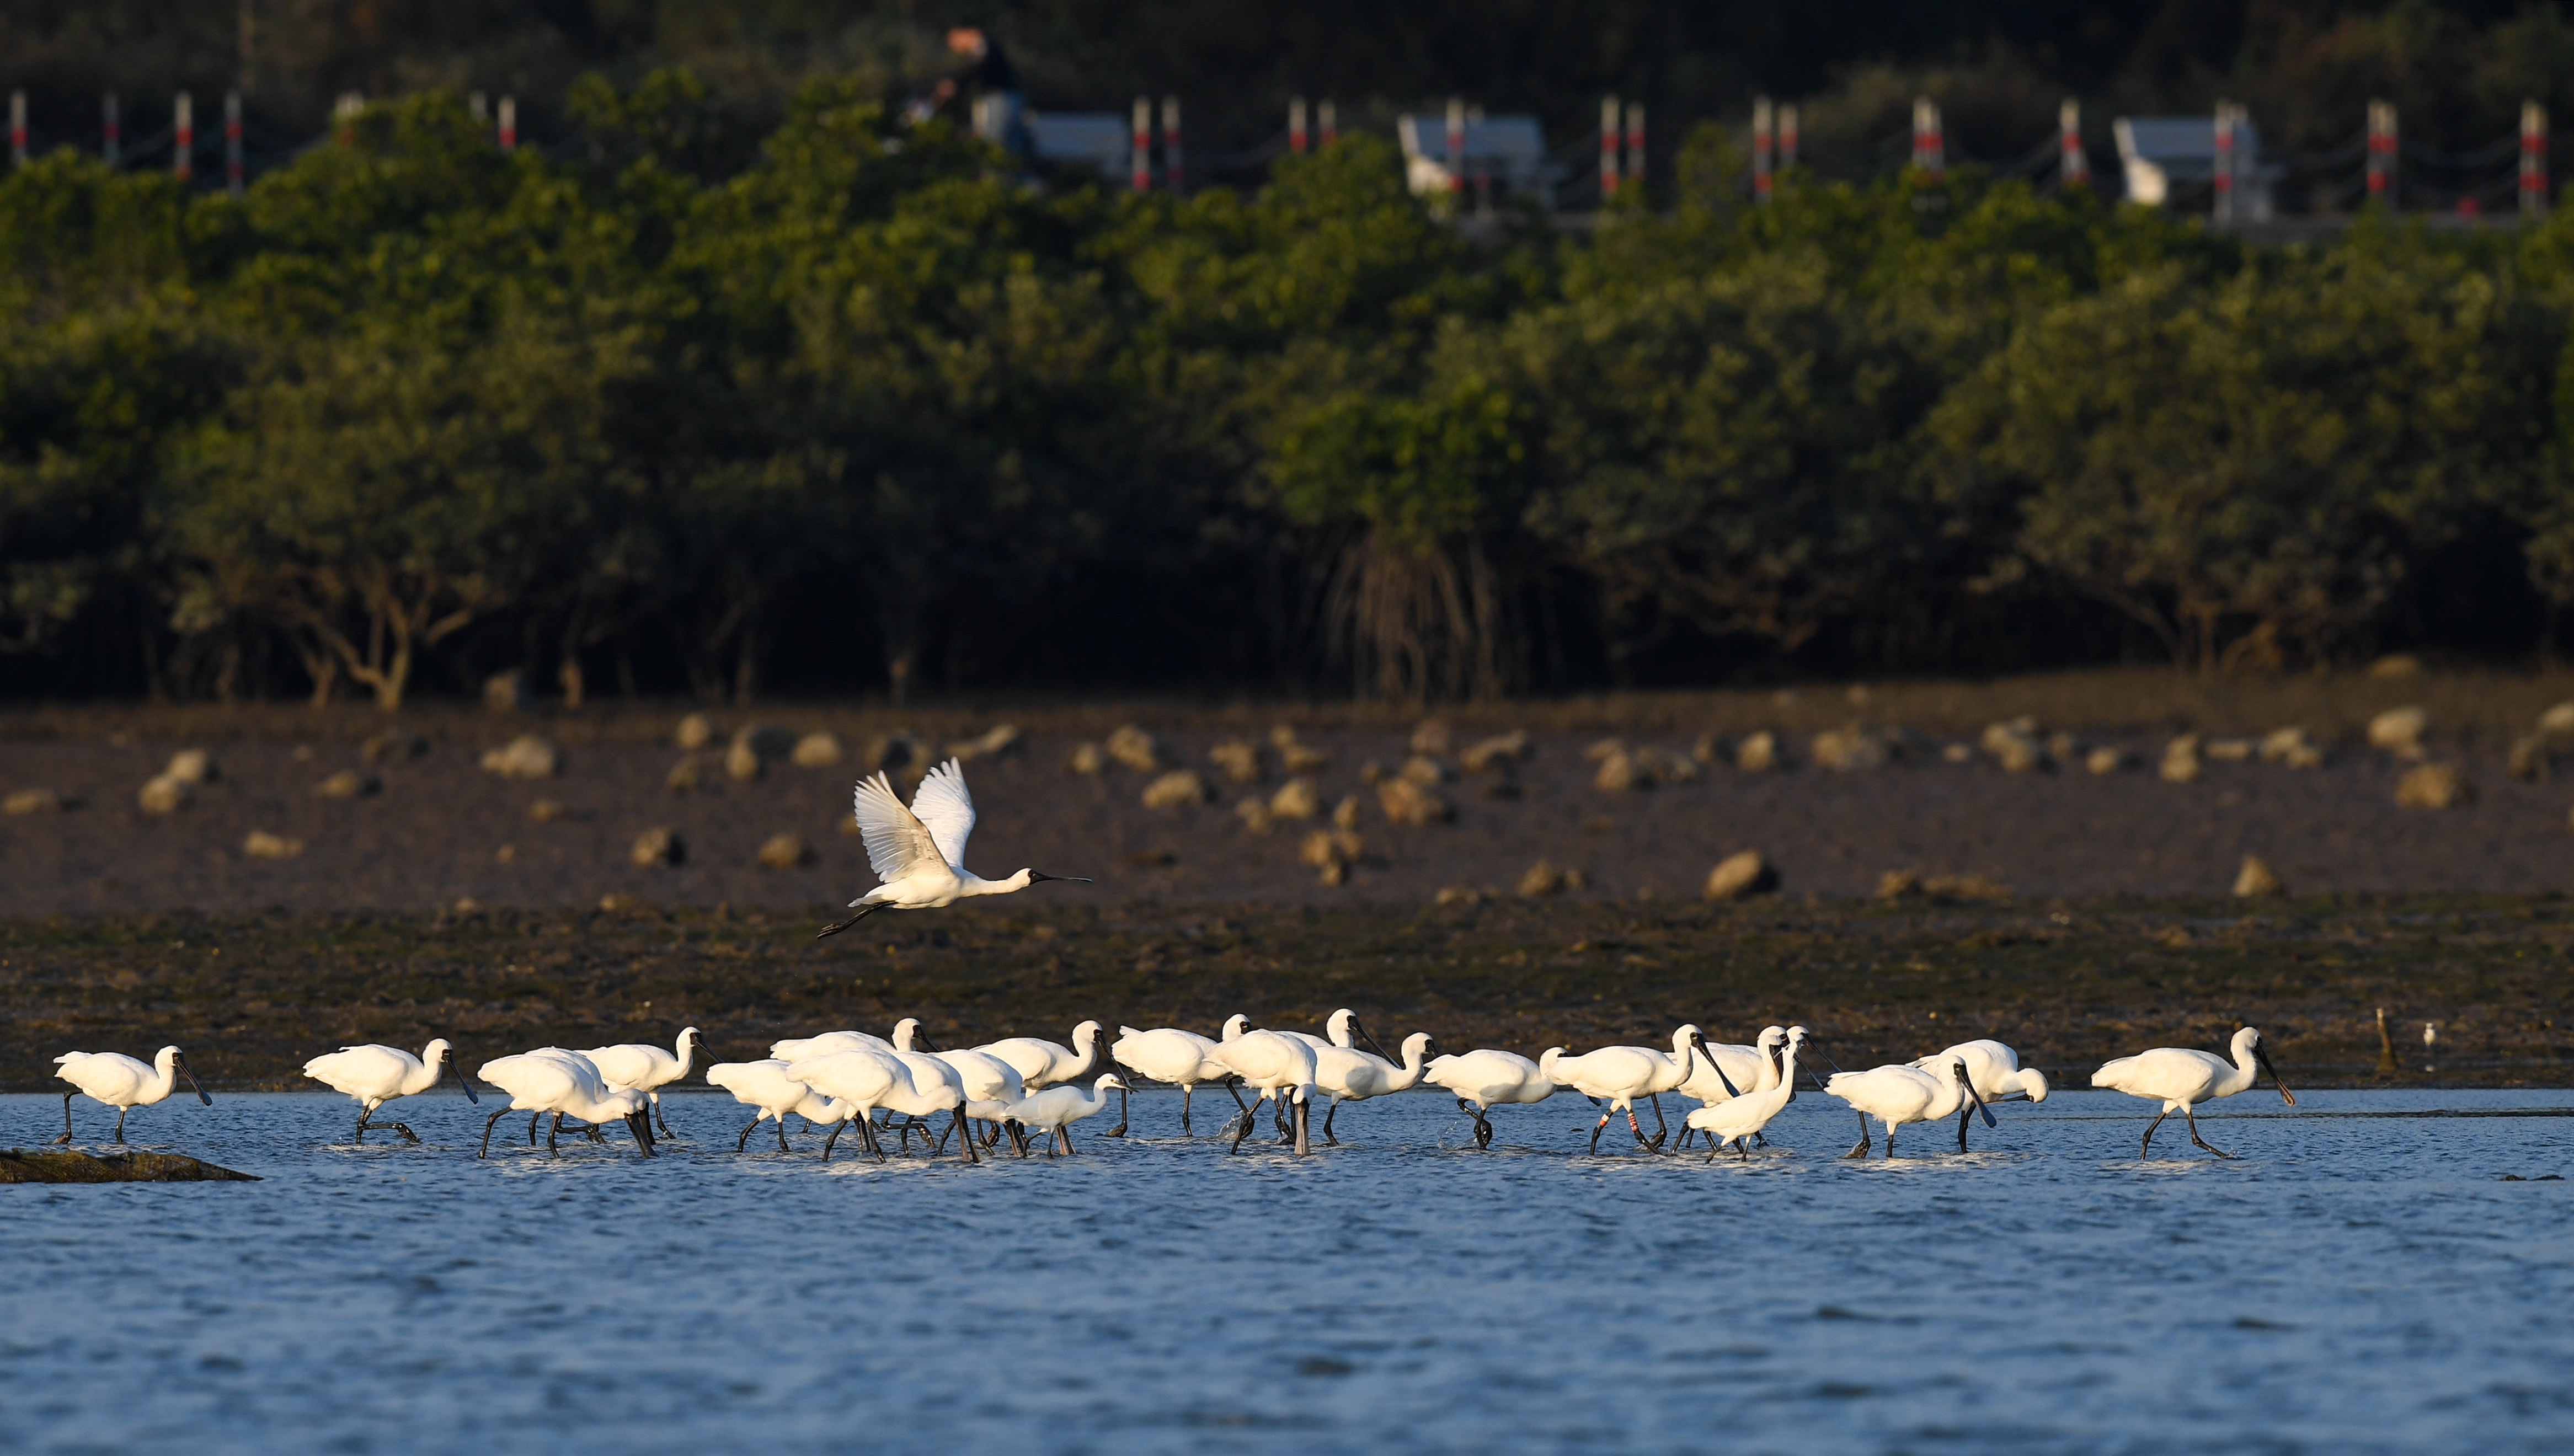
pixel 2356 1282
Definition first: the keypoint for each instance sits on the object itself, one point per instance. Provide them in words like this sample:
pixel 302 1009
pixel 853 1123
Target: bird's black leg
pixel 1687 1132
pixel 837 1130
pixel 1328 1114
pixel 868 1130
pixel 67 1119
pixel 1185 1090
pixel 965 1139
pixel 1482 1130
pixel 1859 1151
pixel 1636 1128
pixel 2195 1137
pixel 1304 1123
pixel 486 1149
pixel 1889 1139
pixel 833 929
pixel 1234 1086
pixel 2147 1149
pixel 1241 1133
pixel 657 1117
pixel 1120 1129
pixel 781 1137
pixel 1962 1109
pixel 744 1141
pixel 1603 1122
pixel 551 1130
pixel 1662 1129
pixel 533 1119
pixel 361 1138
pixel 120 1123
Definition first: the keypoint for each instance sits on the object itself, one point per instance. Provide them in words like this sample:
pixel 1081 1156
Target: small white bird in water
pixel 634 1067
pixel 1993 1068
pixel 1182 1059
pixel 2180 1078
pixel 919 852
pixel 1895 1095
pixel 376 1074
pixel 1618 1075
pixel 552 1079
pixel 767 1086
pixel 1055 1110
pixel 1042 1064
pixel 1487 1079
pixel 1738 1120
pixel 121 1082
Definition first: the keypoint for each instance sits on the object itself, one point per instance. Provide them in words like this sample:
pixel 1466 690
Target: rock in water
pixel 2257 881
pixel 19 1165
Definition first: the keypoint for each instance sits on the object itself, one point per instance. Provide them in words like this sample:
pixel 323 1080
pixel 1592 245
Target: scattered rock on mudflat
pixel 1240 761
pixel 1424 770
pixel 1345 814
pixel 62 1166
pixel 524 756
pixel 1908 884
pixel 2105 759
pixel 1458 895
pixel 1176 790
pixel 349 784
pixel 657 846
pixel 1496 754
pixel 1746 873
pixel 1297 799
pixel 34 801
pixel 546 811
pixel 786 851
pixel 1408 803
pixel 2257 881
pixel 1087 759
pixel 1619 772
pixel 261 845
pixel 2396 665
pixel 2229 751
pixel 507 691
pixel 393 745
pixel 1852 750
pixel 1295 755
pixel 694 733
pixel 817 750
pixel 990 743
pixel 1430 735
pixel 1546 877
pixel 2181 759
pixel 2399 731
pixel 2433 785
pixel 1758 753
pixel 165 796
pixel 1255 816
pixel 1136 748
pixel 2530 759
pixel 2015 746
pixel 193 766
pixel 2556 725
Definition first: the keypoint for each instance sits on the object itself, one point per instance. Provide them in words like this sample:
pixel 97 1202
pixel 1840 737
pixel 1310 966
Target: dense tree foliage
pixel 869 412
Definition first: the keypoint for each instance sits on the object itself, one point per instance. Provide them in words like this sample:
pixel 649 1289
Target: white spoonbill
pixel 797 1048
pixel 930 1086
pixel 1277 1065
pixel 1738 1120
pixel 1042 1064
pixel 1899 1094
pixel 862 1079
pixel 636 1067
pixel 768 1086
pixel 919 852
pixel 1351 1075
pixel 1752 1068
pixel 1182 1059
pixel 2181 1077
pixel 1620 1075
pixel 1056 1108
pixel 552 1079
pixel 1993 1068
pixel 121 1082
pixel 1485 1079
pixel 376 1074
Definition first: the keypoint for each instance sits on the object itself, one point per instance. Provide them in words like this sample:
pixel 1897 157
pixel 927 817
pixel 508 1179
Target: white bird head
pixel 1236 1026
pixel 1085 1033
pixel 170 1059
pixel 1109 1081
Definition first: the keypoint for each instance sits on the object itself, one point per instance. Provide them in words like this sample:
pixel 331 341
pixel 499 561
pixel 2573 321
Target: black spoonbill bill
pixel 2181 1077
pixel 1348 1074
pixel 1056 1108
pixel 121 1082
pixel 1993 1068
pixel 634 1067
pixel 376 1074
pixel 919 852
pixel 1738 1120
pixel 1169 1054
pixel 552 1079
pixel 1899 1094
pixel 1485 1079
pixel 1278 1065
pixel 1619 1075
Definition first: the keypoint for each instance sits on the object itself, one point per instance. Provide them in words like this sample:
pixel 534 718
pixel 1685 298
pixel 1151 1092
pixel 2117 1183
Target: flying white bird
pixel 1620 1074
pixel 553 1080
pixel 1738 1120
pixel 121 1082
pixel 1182 1059
pixel 376 1075
pixel 1055 1110
pixel 634 1068
pixel 1485 1079
pixel 2181 1077
pixel 1897 1094
pixel 919 852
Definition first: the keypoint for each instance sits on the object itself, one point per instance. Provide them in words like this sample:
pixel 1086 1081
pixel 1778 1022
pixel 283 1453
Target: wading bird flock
pixel 1022 1084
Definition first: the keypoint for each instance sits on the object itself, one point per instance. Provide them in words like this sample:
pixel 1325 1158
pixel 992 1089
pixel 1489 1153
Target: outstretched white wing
pixel 943 806
pixel 897 841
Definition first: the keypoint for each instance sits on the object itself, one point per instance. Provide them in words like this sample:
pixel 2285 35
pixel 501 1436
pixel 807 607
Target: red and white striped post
pixel 1327 123
pixel 1455 147
pixel 1787 138
pixel 1609 114
pixel 1635 173
pixel 2223 171
pixel 232 143
pixel 182 137
pixel 1139 146
pixel 509 124
pixel 17 128
pixel 111 148
pixel 2533 160
pixel 1762 139
pixel 2381 152
pixel 1174 172
pixel 1929 153
pixel 1296 125
pixel 2072 164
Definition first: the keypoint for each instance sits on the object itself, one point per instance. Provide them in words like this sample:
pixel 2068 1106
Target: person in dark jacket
pixel 1001 108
